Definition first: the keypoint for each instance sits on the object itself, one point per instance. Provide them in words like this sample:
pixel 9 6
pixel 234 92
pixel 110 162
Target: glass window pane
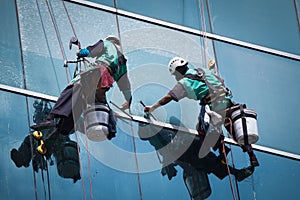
pixel 10 57
pixel 129 166
pixel 263 179
pixel 149 49
pixel 175 11
pixel 42 56
pixel 267 84
pixel 258 22
pixel 13 127
pixel 48 54
pixel 99 170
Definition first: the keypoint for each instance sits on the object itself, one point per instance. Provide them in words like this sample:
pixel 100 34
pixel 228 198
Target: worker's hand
pixel 82 53
pixel 148 109
pixel 125 106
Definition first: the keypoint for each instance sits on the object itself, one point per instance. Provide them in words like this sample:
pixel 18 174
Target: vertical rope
pixel 89 163
pixel 203 25
pixel 136 161
pixel 69 18
pixel 297 15
pixel 89 170
pixel 131 125
pixel 81 174
pixel 228 170
pixel 118 25
pixel 57 35
pixel 47 43
pixel 253 189
pixel 202 18
pixel 64 57
pixel 31 147
pixel 213 42
pixel 88 152
pixel 48 181
pixel 236 183
pixel 43 181
pixel 26 98
pixel 88 156
pixel 232 159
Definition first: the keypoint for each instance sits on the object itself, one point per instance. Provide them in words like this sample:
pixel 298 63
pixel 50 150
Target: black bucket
pixel 67 160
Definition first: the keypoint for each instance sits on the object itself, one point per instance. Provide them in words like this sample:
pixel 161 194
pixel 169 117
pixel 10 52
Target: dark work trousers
pixel 68 107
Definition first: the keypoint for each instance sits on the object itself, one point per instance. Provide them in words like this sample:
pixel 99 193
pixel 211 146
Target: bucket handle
pixel 244 124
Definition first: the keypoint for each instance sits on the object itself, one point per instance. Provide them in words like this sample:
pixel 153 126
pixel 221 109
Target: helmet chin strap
pixel 178 75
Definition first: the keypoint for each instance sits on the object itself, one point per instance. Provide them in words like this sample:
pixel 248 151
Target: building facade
pixel 255 45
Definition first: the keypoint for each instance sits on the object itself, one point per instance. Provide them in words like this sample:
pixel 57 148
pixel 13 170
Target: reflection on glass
pixel 39 147
pixel 177 149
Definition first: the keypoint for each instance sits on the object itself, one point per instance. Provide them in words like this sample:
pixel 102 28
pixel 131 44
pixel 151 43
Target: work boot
pixel 22 155
pixel 44 125
pixel 241 174
pixel 17 157
pixel 254 161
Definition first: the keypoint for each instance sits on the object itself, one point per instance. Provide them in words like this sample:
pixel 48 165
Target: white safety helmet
pixel 176 62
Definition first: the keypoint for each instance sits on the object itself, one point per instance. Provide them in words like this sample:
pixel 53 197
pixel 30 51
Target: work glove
pixel 83 53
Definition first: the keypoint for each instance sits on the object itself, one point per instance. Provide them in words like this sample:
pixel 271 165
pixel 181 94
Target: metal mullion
pixel 139 119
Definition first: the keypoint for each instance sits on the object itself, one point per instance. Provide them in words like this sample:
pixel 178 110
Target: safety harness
pixel 215 93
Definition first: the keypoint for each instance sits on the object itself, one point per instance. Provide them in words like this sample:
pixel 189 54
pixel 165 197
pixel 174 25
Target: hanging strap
pixel 244 124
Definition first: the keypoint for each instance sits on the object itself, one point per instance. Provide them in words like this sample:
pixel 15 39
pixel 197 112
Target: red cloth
pixel 106 80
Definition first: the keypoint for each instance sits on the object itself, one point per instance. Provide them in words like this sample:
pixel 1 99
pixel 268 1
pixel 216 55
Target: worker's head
pixel 178 67
pixel 115 40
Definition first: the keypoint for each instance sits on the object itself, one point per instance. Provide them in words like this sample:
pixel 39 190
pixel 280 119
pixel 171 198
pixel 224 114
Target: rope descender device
pixel 41 148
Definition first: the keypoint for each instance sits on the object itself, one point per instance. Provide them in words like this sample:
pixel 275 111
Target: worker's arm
pixel 163 101
pixel 125 87
pixel 92 51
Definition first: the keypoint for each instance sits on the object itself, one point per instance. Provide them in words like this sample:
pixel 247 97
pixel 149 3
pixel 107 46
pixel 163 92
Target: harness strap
pixel 215 93
pixel 218 94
